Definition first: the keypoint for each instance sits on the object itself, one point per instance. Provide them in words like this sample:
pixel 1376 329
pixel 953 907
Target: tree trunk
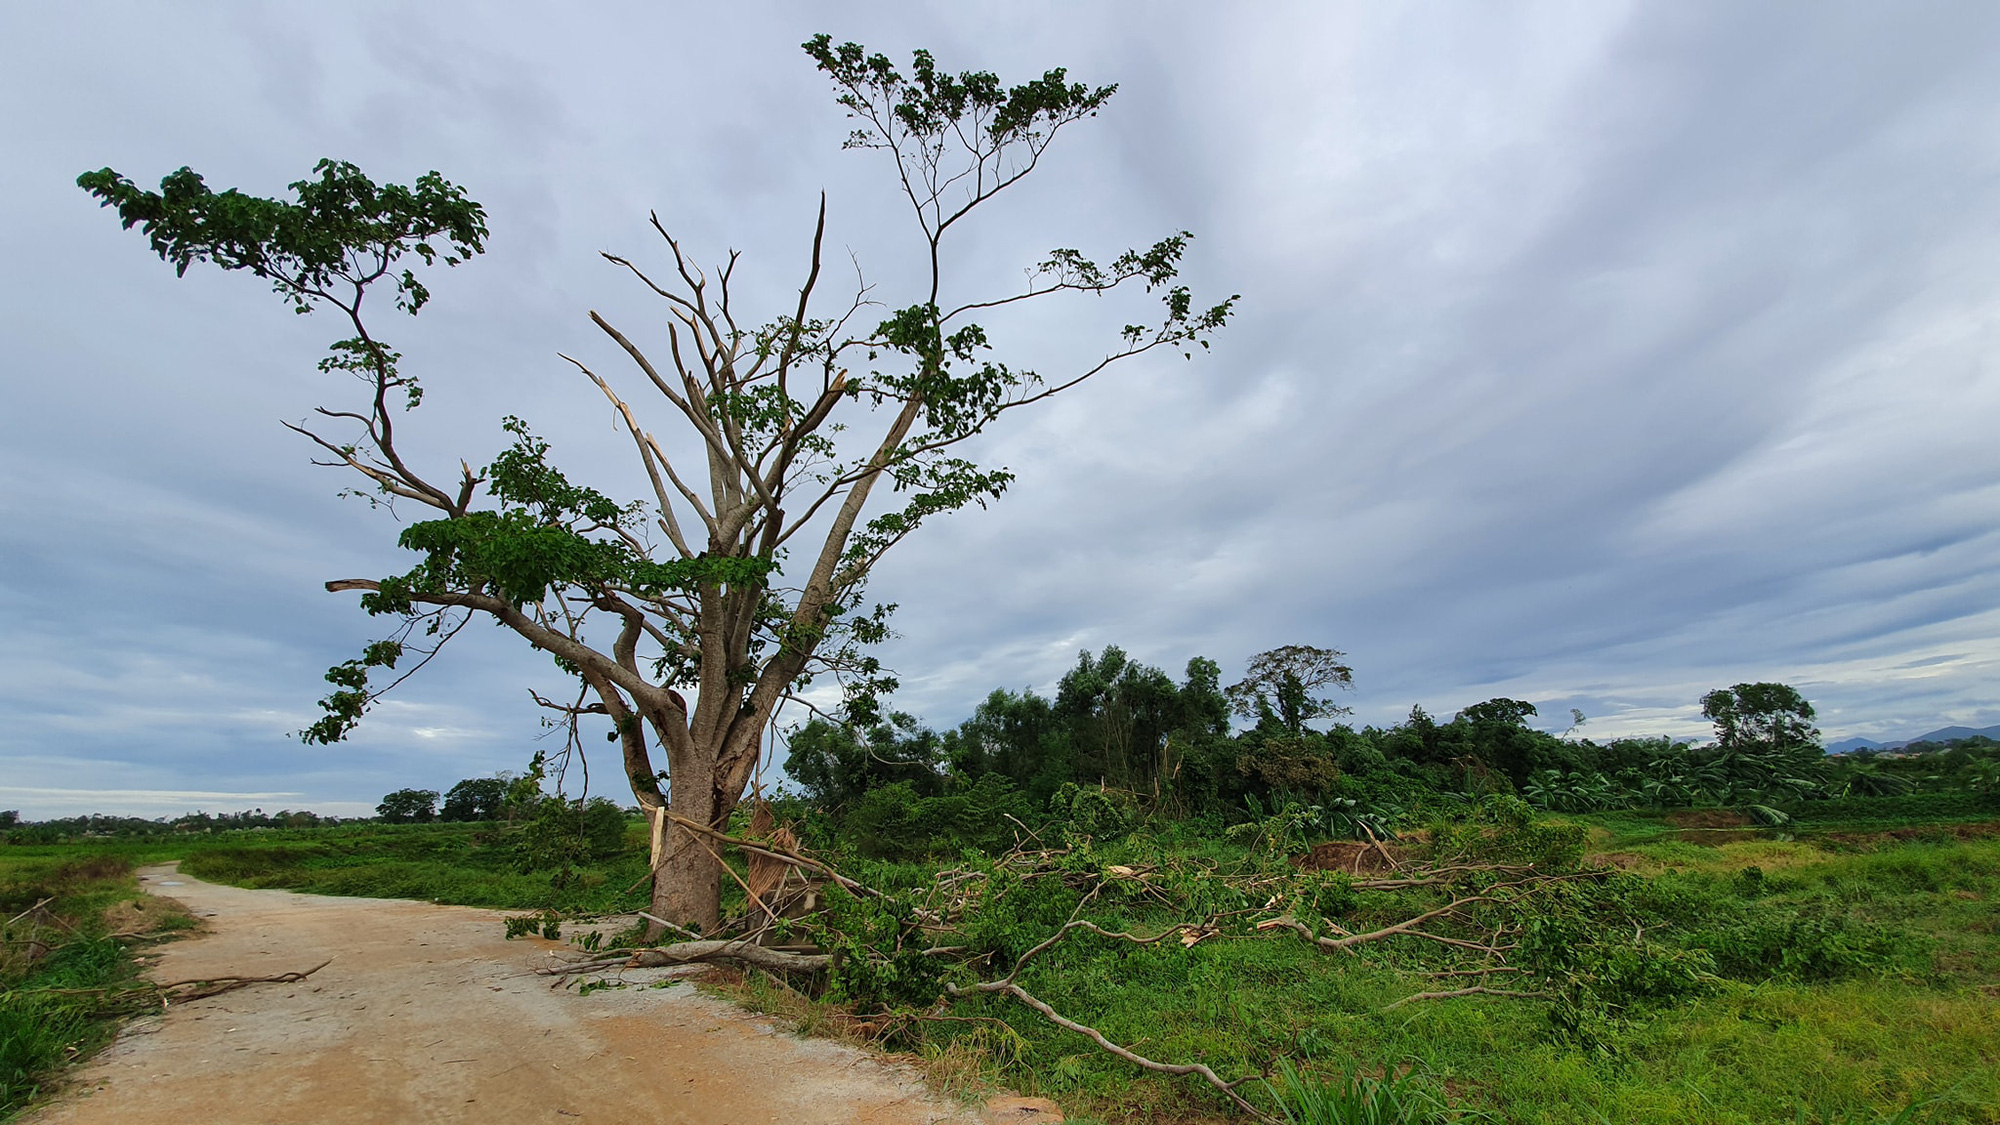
pixel 687 885
pixel 687 889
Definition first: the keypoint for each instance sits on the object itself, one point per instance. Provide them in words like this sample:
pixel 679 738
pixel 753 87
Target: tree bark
pixel 687 878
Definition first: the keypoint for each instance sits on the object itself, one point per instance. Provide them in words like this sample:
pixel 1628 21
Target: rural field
pixel 1672 967
pixel 609 434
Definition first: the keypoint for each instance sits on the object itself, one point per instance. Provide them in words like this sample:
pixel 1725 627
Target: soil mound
pixel 1352 856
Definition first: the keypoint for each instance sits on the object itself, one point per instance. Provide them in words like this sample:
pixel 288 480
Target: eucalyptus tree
pixel 824 434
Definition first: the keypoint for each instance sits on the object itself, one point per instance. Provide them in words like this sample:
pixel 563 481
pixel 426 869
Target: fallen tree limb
pixel 215 986
pixel 1382 851
pixel 663 923
pixel 702 952
pixel 182 990
pixel 1475 990
pixel 30 910
pixel 1084 924
pixel 782 856
pixel 1201 1070
pixel 1478 972
pixel 758 956
pixel 1407 927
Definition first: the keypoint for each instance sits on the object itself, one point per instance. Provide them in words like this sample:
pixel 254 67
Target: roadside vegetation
pixel 73 919
pixel 1156 898
pixel 1340 925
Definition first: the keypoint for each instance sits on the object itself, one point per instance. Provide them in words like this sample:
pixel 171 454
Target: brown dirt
pixel 1708 818
pixel 427 1013
pixel 1623 861
pixel 144 915
pixel 1977 830
pixel 1352 856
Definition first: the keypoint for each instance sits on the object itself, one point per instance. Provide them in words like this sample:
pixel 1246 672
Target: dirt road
pixel 427 1014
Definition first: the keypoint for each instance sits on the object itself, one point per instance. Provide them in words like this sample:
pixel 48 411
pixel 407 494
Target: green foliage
pixel 1769 716
pixel 930 102
pixel 470 864
pixel 873 963
pixel 1814 943
pixel 1920 806
pixel 343 229
pixel 409 806
pixel 547 923
pixel 350 701
pixel 1638 1027
pixel 563 836
pixel 58 969
pixel 1356 1098
pixel 1082 813
pixel 1288 686
pixel 475 798
pixel 895 822
pixel 837 765
pixel 1504 829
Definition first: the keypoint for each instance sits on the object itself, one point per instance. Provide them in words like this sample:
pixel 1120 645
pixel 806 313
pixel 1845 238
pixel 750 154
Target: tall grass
pixel 1356 1099
pixel 53 959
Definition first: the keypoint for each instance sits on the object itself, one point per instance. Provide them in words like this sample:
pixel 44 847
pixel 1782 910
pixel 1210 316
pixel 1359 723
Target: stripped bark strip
pixel 1475 990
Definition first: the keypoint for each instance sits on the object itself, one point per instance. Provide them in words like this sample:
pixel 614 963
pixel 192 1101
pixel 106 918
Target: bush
pixel 564 834
pixel 1813 945
pixel 893 822
pixel 1906 807
pixel 1100 814
pixel 1503 829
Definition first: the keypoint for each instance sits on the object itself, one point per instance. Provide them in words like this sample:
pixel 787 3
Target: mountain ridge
pixel 1942 734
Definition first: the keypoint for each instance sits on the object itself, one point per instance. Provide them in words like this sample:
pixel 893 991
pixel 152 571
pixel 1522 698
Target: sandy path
pixel 428 1014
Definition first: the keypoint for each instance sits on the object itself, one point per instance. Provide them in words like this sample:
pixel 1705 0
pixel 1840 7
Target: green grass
pixel 63 946
pixel 460 864
pixel 1865 985
pixel 1859 969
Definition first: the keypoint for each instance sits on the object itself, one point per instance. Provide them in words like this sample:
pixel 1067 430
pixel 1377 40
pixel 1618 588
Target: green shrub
pixel 1099 814
pixel 893 822
pixel 1504 829
pixel 1811 944
pixel 1905 807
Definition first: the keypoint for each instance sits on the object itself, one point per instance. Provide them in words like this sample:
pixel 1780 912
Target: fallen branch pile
pixel 1450 916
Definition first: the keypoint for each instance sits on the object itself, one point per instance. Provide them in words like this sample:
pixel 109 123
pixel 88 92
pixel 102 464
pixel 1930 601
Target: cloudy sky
pixel 1591 354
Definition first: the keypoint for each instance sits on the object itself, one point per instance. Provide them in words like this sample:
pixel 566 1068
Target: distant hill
pixel 1942 734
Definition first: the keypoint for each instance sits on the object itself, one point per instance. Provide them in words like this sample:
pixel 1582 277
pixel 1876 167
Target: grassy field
pixel 476 864
pixel 1856 978
pixel 1851 974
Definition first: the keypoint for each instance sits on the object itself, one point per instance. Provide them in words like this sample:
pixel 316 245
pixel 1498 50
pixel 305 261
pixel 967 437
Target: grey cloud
pixel 1593 355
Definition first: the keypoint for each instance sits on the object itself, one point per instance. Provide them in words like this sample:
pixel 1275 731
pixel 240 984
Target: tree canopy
pixel 812 438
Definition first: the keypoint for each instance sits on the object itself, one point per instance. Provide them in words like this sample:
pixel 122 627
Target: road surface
pixel 428 1014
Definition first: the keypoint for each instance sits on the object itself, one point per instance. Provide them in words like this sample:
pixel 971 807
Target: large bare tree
pixel 821 437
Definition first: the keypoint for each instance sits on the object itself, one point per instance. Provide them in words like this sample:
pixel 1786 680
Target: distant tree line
pixel 475 798
pixel 14 830
pixel 1118 732
pixel 552 832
